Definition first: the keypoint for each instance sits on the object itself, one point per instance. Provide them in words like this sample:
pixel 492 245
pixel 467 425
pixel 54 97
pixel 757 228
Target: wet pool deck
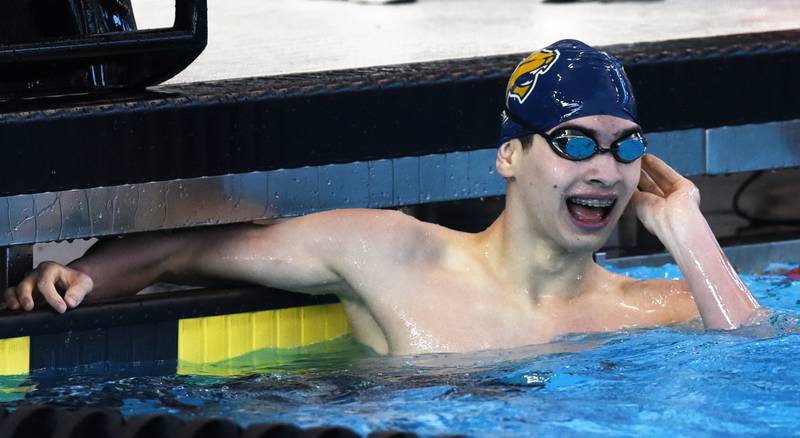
pixel 259 38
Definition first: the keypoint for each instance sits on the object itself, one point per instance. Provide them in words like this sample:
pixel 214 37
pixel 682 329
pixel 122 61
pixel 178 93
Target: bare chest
pixel 442 310
pixel 453 315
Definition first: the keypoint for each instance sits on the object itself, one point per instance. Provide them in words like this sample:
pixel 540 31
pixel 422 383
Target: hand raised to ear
pixel 662 190
pixel 47 279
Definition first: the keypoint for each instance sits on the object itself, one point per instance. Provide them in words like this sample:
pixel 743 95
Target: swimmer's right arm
pixel 305 254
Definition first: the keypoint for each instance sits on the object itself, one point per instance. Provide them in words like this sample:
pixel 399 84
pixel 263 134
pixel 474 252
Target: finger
pixel 47 288
pixel 24 292
pixel 81 286
pixel 660 172
pixel 10 298
pixel 642 199
pixel 646 184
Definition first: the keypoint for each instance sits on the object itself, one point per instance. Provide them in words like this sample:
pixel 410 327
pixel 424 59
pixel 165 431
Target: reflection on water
pixel 678 380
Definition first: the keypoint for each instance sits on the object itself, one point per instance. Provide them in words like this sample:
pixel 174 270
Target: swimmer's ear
pixel 507 155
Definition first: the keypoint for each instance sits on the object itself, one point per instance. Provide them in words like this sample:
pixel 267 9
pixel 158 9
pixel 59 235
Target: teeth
pixel 589 202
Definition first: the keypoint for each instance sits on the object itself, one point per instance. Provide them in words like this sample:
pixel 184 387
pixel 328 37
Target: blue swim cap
pixel 561 82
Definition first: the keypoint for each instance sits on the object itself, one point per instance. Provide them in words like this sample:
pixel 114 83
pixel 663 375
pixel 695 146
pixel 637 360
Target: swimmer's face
pixel 575 203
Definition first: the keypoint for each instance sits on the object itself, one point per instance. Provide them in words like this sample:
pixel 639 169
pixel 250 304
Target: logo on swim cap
pixel 523 80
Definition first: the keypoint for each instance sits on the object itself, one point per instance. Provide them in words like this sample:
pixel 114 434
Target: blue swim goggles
pixel 574 145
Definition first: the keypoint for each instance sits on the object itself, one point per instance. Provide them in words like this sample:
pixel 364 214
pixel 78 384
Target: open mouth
pixel 590 212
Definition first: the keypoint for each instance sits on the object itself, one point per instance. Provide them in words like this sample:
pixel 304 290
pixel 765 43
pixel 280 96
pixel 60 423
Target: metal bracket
pixel 15 262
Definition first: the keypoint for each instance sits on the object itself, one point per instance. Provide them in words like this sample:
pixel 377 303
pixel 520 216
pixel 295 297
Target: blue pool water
pixel 667 381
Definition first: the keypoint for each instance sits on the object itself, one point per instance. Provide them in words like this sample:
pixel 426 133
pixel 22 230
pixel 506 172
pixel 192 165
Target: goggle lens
pixel 630 149
pixel 579 148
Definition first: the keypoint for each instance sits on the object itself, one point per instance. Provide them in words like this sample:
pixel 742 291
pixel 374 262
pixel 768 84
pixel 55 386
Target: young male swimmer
pixel 572 156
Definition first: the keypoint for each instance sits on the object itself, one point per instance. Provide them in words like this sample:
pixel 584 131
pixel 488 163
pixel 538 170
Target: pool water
pixel 666 381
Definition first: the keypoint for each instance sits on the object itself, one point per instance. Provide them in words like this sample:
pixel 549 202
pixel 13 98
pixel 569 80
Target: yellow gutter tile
pixel 289 328
pixel 312 324
pixel 15 354
pixel 217 338
pixel 264 329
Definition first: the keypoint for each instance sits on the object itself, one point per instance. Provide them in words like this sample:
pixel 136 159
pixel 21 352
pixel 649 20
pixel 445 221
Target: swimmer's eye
pixel 630 148
pixel 575 145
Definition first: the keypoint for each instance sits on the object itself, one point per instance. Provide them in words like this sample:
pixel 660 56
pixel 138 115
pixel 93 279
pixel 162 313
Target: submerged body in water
pixel 607 384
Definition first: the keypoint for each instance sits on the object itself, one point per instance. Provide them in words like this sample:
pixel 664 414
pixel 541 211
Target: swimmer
pixel 573 157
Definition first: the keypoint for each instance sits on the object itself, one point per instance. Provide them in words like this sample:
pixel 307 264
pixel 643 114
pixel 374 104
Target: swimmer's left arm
pixel 669 207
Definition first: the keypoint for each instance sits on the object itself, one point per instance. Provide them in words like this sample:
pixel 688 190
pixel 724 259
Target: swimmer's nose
pixel 603 170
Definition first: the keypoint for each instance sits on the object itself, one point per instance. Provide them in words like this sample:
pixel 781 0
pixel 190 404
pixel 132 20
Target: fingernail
pixel 70 302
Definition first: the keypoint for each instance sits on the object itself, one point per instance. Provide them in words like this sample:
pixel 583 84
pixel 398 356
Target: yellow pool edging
pixel 215 338
pixel 15 356
pixel 210 340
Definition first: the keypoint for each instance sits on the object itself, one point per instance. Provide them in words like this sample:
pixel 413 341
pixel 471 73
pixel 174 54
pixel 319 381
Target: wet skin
pixel 413 287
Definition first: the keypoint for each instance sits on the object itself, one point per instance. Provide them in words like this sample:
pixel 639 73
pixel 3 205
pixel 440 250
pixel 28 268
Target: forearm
pixel 286 256
pixel 120 267
pixel 723 300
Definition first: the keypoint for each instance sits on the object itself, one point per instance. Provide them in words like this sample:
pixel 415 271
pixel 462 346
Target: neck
pixel 533 263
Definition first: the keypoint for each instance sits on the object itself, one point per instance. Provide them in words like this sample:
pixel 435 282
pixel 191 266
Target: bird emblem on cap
pixel 524 78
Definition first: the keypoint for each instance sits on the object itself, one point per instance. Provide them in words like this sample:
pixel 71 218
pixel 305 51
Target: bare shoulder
pixel 670 300
pixel 380 233
pixel 348 223
pixel 360 222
